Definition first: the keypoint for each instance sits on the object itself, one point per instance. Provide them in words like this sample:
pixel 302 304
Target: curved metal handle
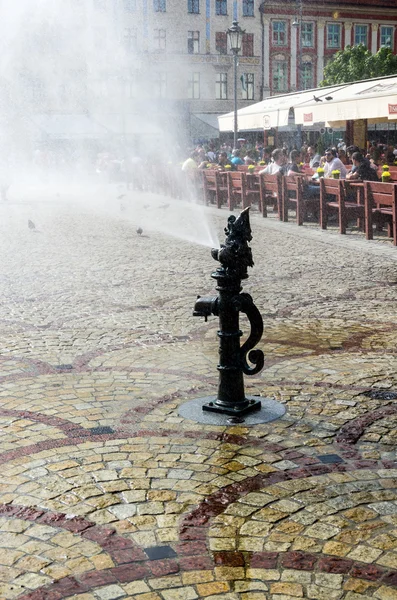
pixel 245 304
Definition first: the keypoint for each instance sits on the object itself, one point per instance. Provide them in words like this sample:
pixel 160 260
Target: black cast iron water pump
pixel 235 257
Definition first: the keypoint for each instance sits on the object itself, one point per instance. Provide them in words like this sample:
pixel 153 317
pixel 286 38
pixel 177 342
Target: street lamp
pixel 297 24
pixel 235 36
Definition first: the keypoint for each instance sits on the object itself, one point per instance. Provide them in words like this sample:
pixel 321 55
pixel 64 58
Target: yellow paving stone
pixel 162 496
pixel 291 589
pixel 9 557
pixel 136 587
pixel 388 560
pixel 227 573
pixel 193 577
pixel 263 574
pixel 364 554
pixel 215 587
pixel 386 593
pixel 56 571
pixel 324 593
pixel 224 543
pixel 160 583
pixel 249 586
pixel 167 535
pixel 79 565
pixel 357 585
pixel 32 563
pixel 295 576
pixel 102 561
pixel 354 596
pixel 186 593
pixel 336 548
pixel 149 596
pixel 255 528
pixel 360 514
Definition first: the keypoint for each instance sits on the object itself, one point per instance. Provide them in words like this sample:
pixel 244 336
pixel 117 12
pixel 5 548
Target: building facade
pixel 176 52
pixel 146 67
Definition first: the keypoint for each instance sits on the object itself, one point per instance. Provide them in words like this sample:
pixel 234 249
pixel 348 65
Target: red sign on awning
pixel 392 109
pixel 307 117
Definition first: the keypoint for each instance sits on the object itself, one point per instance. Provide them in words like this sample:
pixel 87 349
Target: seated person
pixel 223 160
pixel 332 163
pixel 292 167
pixel 278 161
pixel 236 160
pixel 363 170
pixel 314 157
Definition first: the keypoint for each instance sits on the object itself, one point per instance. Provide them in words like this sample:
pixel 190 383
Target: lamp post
pixel 299 62
pixel 299 46
pixel 235 37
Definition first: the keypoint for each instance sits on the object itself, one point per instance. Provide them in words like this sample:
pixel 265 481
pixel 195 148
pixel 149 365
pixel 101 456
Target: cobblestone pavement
pixel 106 492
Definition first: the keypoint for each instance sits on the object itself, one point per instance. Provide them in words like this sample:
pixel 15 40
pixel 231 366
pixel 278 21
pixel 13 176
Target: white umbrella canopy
pixel 271 112
pixel 372 99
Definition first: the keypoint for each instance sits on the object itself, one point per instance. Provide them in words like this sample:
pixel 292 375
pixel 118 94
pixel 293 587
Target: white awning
pixel 204 126
pixel 374 100
pixel 271 112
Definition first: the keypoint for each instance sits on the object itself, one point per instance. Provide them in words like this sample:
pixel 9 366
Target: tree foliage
pixel 357 62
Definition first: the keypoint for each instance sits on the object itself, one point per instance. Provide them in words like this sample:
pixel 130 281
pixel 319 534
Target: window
pixel 129 39
pixel 221 42
pixel 333 35
pixel 307 35
pixel 306 70
pixel 279 35
pixel 247 46
pixel 129 5
pixel 248 8
pixel 386 36
pixel 280 71
pixel 193 42
pixel 361 35
pixel 159 5
pixel 247 86
pixel 159 39
pixel 160 85
pixel 221 7
pixel 221 86
pixel 193 86
pixel 193 6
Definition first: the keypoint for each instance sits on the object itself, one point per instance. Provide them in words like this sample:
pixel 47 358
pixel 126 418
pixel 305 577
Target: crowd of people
pixel 364 164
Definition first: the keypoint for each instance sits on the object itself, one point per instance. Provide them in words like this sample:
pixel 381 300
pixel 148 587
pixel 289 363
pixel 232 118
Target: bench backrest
pixel 236 181
pixel 271 184
pixel 380 194
pixel 293 183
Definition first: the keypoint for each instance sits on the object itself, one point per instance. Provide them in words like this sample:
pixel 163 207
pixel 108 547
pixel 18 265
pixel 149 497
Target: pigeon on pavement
pixel 139 231
pixel 31 225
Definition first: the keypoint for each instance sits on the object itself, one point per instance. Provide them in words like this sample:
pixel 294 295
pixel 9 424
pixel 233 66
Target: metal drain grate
pixel 158 552
pixel 64 367
pixel 330 459
pixel 380 394
pixel 101 430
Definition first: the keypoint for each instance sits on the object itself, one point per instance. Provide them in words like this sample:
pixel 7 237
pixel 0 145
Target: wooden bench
pixel 271 193
pixel 239 191
pixel 348 202
pixel 380 201
pixel 213 188
pixel 293 193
